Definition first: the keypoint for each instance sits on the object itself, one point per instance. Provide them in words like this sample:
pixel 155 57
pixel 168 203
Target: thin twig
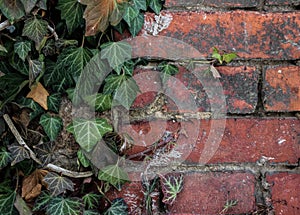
pixel 19 138
pixel 53 32
pixel 4 25
pixel 67 172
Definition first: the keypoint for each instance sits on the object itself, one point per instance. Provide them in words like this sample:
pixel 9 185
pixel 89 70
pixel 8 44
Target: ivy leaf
pixel 136 25
pixel 22 48
pixel 156 6
pixel 91 200
pixel 54 102
pixel 140 4
pixel 35 29
pixel 83 159
pixel 5 158
pixel 171 187
pixel 228 57
pixel 90 212
pixel 7 203
pixel 72 12
pixel 36 67
pixel 130 14
pixel 118 207
pixel 45 151
pixel 42 201
pixel 89 132
pixel 51 125
pixel 37 109
pixel 12 9
pixel 18 152
pixel 58 184
pixel 116 53
pixel 2 49
pixel 167 70
pixel 101 102
pixel 112 82
pixel 63 206
pixel 29 5
pixel 114 175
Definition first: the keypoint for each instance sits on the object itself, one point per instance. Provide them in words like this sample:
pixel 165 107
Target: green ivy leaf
pixel 7 203
pixel 89 132
pixel 118 207
pixel 140 4
pixel 228 57
pixel 63 206
pixel 58 184
pixel 51 125
pixel 101 102
pixel 36 68
pixel 2 49
pixel 90 212
pixel 5 157
pixel 22 48
pixel 156 6
pixel 72 12
pixel 127 68
pixel 167 70
pixel 42 201
pixel 83 159
pixel 136 25
pixel 35 29
pixel 53 102
pixel 112 82
pixel 18 152
pixel 130 14
pixel 91 200
pixel 37 109
pixel 114 175
pixel 116 53
pixel 12 9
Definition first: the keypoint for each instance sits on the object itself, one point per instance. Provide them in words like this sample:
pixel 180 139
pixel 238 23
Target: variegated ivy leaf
pixel 116 53
pixel 7 203
pixel 42 201
pixel 63 206
pixel 35 29
pixel 22 48
pixel 58 184
pixel 89 131
pixel 5 157
pixel 114 175
pixel 118 207
pixel 101 102
pixel 12 9
pixel 171 187
pixel 52 125
pixel 18 152
pixel 72 12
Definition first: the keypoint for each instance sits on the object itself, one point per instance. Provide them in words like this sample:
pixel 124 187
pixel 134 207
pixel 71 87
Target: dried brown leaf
pixel 98 14
pixel 39 94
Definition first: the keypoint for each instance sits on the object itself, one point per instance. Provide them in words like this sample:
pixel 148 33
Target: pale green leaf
pixel 58 184
pixel 228 57
pixel 101 102
pixel 156 5
pixel 22 48
pixel 136 24
pixel 217 55
pixel 35 29
pixel 53 102
pixel 91 200
pixel 72 12
pixel 2 48
pixel 7 203
pixel 64 206
pixel 116 53
pixel 83 159
pixel 29 5
pixel 118 207
pixel 130 14
pixel 18 153
pixel 140 4
pixel 5 158
pixel 12 9
pixel 171 187
pixel 114 175
pixel 52 125
pixel 89 132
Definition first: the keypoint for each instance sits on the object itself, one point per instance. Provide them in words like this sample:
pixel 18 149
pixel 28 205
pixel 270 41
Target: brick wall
pixel 257 159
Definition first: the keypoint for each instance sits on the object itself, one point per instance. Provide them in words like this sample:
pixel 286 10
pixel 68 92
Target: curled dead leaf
pixel 39 94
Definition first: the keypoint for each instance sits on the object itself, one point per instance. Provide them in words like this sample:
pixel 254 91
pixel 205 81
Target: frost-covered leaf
pixel 140 4
pixel 12 9
pixel 171 187
pixel 114 175
pixel 118 207
pixel 42 201
pixel 51 125
pixel 89 132
pixel 131 13
pixel 58 184
pixel 63 206
pixel 22 48
pixel 91 200
pixel 167 70
pixel 116 53
pixel 2 48
pixel 72 12
pixel 83 159
pixel 35 29
pixel 5 158
pixel 54 102
pixel 156 5
pixel 136 25
pixel 18 153
pixel 7 203
pixel 101 102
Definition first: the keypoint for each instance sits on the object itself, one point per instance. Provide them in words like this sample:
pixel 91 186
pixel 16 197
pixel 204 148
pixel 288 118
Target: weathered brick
pixel 281 88
pixel 282 2
pixel 285 193
pixel 247 140
pixel 207 193
pixel 212 3
pixel 249 34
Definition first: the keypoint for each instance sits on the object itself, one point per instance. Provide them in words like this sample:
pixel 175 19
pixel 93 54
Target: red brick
pixel 207 193
pixel 250 34
pixel 282 2
pixel 282 89
pixel 212 3
pixel 285 193
pixel 247 140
